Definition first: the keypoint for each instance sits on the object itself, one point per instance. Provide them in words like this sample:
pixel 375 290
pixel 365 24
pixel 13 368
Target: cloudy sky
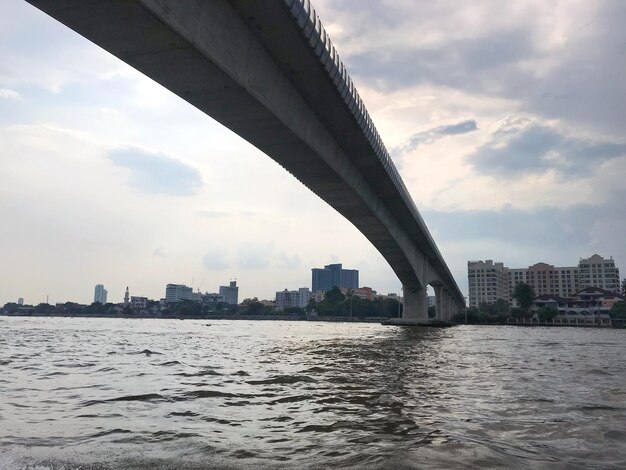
pixel 507 122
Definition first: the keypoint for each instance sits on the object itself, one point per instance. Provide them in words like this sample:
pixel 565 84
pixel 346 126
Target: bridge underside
pixel 246 64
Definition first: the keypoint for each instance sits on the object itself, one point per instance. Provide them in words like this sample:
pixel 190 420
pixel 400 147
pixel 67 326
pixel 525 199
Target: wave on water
pixel 283 380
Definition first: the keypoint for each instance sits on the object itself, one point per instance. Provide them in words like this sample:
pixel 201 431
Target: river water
pixel 112 393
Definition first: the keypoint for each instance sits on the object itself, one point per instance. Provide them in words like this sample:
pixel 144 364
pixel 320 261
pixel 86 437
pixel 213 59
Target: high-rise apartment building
pixel 597 271
pixel 333 275
pixel 100 294
pixel 230 293
pixel 177 292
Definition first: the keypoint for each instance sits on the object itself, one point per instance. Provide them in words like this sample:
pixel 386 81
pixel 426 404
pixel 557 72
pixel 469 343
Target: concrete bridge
pixel 268 71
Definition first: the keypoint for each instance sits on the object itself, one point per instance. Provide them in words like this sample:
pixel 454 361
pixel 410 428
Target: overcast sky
pixel 506 120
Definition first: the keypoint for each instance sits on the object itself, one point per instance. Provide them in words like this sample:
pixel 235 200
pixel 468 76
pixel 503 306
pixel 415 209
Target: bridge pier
pixel 415 311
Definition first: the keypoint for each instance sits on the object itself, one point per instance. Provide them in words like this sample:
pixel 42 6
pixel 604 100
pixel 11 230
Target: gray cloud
pixel 578 78
pixel 431 135
pixel 215 261
pixel 523 147
pixel 157 173
pixel 476 64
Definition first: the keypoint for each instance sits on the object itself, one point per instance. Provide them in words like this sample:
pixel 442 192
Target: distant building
pixel 126 298
pixel 138 303
pixel 597 271
pixel 20 301
pixel 177 292
pixel 212 298
pixel 590 301
pixel 292 298
pixel 365 293
pixel 489 281
pixel 431 301
pixel 100 294
pixel 230 293
pixel 332 275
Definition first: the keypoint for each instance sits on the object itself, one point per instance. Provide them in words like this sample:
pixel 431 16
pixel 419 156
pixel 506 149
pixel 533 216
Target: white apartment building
pixel 292 298
pixel 487 281
pixel 597 271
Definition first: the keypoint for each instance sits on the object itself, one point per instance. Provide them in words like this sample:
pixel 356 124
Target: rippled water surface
pixel 108 393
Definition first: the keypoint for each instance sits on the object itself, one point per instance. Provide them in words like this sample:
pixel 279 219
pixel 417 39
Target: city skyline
pixel 102 185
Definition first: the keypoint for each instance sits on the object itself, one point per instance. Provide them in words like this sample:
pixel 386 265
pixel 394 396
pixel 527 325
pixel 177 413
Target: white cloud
pixel 9 94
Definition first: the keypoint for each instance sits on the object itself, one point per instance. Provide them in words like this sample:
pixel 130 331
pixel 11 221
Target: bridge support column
pixel 448 307
pixel 415 311
pixel 439 301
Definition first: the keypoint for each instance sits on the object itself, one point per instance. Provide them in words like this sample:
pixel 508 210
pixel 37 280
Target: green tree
pixel 517 312
pixel 334 303
pixel 524 295
pixel 311 305
pixel 618 310
pixel 547 313
pixel 44 308
pixel 253 307
pixel 334 296
pixel 10 307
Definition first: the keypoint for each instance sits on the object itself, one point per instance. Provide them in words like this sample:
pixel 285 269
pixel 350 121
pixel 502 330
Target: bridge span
pixel 268 71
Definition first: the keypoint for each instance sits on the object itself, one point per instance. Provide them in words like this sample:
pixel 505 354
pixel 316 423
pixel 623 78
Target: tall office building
pixel 20 301
pixel 230 293
pixel 100 294
pixel 177 292
pixel 332 275
pixel 597 271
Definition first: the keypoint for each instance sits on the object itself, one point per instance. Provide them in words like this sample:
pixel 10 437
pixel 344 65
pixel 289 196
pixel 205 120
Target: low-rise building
pixel 212 298
pixel 587 303
pixel 364 293
pixel 138 303
pixel 294 298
